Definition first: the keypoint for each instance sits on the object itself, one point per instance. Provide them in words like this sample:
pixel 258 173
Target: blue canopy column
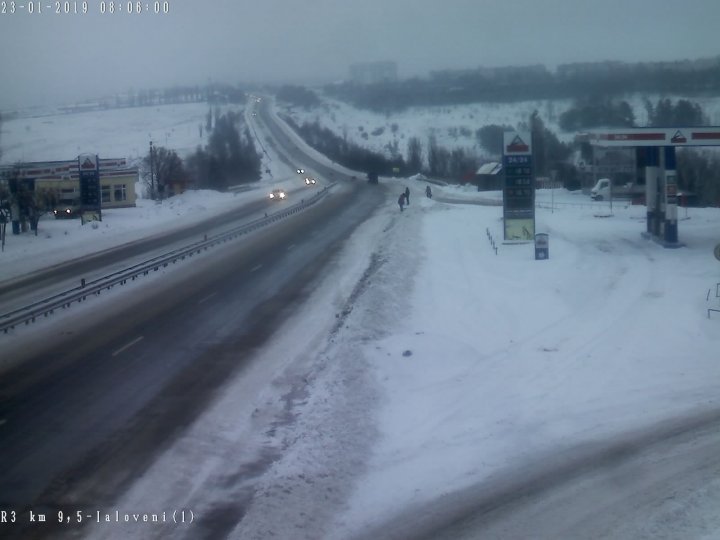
pixel 659 167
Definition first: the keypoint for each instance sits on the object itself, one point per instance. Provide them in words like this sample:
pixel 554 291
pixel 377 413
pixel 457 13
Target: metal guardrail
pixel 47 306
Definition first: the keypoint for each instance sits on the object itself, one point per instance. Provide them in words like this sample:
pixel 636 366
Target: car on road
pixel 66 211
pixel 310 181
pixel 278 194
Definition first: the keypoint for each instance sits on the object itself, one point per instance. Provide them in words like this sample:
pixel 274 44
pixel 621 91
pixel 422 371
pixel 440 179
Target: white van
pixel 601 190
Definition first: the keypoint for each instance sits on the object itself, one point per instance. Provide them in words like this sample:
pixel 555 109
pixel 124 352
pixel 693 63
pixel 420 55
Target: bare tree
pixel 414 159
pixel 165 167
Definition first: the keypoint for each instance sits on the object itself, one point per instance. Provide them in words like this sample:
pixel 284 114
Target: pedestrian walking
pixel 407 195
pixel 428 192
pixel 401 201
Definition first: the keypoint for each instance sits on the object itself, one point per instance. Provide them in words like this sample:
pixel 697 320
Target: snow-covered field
pixel 425 362
pixel 463 363
pixel 112 133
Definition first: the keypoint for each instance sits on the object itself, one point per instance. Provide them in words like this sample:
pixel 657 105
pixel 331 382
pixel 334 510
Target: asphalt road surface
pixel 93 403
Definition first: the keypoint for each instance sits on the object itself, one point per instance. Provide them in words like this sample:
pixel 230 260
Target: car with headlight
pixel 278 194
pixel 66 210
pixel 310 181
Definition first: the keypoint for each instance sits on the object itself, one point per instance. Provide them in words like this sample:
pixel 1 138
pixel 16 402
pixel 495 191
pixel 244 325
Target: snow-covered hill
pixel 455 126
pixel 127 132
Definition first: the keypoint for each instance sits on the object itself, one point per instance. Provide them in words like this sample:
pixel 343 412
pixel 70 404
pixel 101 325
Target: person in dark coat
pixel 428 192
pixel 401 201
pixel 407 196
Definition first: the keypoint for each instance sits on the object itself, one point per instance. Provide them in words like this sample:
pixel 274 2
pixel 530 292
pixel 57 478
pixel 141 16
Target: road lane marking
pixel 127 346
pixel 208 297
pixel 258 267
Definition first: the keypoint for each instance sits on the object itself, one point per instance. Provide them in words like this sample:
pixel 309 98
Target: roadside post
pixel 542 247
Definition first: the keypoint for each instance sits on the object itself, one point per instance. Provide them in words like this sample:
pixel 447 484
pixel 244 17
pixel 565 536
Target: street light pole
pixel 152 173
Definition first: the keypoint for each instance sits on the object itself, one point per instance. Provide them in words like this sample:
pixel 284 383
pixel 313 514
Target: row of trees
pixel 593 113
pixel 344 152
pixel 574 81
pixel 228 159
pixel 458 164
pixel 682 113
pixel 297 95
pixel 212 93
pixel 29 202
pixel 433 159
pixel 699 173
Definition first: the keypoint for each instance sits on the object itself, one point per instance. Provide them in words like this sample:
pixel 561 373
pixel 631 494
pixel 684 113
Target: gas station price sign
pixel 519 190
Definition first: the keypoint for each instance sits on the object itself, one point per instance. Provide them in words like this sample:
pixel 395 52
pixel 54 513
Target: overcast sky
pixel 48 57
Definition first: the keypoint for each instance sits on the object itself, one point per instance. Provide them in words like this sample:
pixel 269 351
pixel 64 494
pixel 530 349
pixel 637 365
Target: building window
pixel 120 193
pixel 106 194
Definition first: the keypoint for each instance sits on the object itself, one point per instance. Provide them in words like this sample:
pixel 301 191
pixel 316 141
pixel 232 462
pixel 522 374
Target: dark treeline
pixel 699 173
pixel 603 79
pixel 213 94
pixel 433 159
pixel 297 95
pixel 344 152
pixel 229 158
pixel 597 112
pixel 682 113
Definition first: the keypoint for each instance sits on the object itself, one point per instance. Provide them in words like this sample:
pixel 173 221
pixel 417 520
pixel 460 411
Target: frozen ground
pixel 425 363
pixel 479 361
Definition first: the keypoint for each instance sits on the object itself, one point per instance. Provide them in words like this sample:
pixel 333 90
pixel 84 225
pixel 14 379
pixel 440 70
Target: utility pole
pixel 152 173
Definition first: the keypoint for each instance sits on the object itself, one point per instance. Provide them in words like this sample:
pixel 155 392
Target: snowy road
pixel 661 482
pixel 26 287
pixel 112 382
pixel 431 387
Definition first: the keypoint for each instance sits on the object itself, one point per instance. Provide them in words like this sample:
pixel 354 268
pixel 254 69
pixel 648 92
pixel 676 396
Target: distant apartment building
pixel 373 72
pixel 117 180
